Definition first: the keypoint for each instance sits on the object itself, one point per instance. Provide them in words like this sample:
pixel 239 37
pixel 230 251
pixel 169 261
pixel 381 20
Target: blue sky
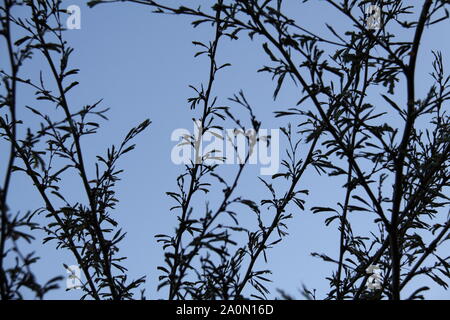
pixel 141 64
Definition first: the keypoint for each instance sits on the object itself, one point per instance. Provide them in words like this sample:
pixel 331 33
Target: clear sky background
pixel 141 64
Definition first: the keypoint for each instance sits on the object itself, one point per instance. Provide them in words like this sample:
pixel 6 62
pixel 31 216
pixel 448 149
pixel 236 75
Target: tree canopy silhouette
pixel 387 152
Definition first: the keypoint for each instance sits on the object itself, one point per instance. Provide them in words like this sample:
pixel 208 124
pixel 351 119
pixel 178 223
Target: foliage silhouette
pixel 392 168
